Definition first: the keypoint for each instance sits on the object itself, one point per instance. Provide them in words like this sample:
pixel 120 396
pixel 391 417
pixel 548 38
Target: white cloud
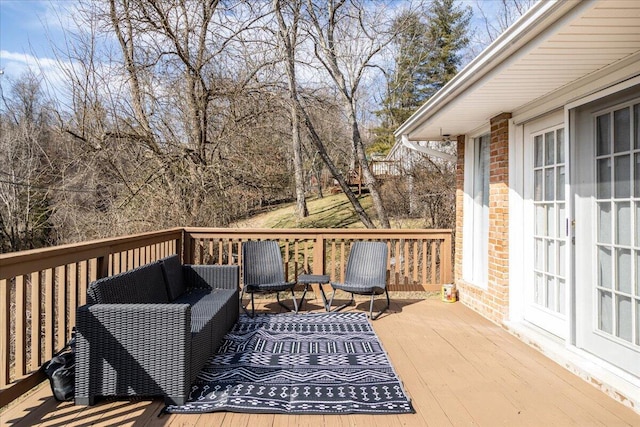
pixel 16 64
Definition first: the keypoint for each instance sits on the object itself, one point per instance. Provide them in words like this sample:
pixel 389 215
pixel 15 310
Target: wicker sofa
pixel 149 331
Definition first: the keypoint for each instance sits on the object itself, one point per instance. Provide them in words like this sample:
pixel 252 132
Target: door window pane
pixel 561 258
pixel 560 183
pixel 637 213
pixel 538 291
pixel 537 141
pixel 551 294
pixel 604 305
pixel 560 145
pixel 551 220
pixel 603 134
pixel 604 178
pixel 638 322
pixel 624 320
pixel 636 175
pixel 622 168
pixel 549 190
pixel 623 271
pixel 636 125
pixel 561 299
pixel 539 248
pixel 604 222
pixel 623 223
pixel 551 256
pixel 622 130
pixel 604 267
pixel 537 185
pixel 562 221
pixel 549 144
pixel 541 223
pixel 637 281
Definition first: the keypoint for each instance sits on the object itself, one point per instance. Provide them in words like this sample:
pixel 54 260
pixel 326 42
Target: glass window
pixel 622 130
pixel 603 136
pixel 480 225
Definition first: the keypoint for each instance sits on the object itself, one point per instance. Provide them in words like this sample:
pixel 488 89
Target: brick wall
pixel 492 302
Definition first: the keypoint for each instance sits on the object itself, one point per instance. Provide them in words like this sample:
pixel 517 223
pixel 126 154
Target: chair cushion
pixel 358 289
pixel 173 276
pixel 269 287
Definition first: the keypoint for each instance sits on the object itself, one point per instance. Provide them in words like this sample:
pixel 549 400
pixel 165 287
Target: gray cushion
pixel 141 285
pixel 173 276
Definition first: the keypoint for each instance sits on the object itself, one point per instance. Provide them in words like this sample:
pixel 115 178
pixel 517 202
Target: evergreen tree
pixel 428 46
pixel 448 32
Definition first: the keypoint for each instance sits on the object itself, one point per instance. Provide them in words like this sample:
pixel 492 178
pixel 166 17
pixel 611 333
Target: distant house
pixel 547 123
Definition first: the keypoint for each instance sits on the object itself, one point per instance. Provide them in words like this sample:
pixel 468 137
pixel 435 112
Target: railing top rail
pixel 15 263
pixel 326 232
pixel 73 252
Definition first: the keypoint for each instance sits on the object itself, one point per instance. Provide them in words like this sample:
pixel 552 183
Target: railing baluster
pixel 83 282
pixel 434 276
pixel 36 315
pixel 73 295
pixel 425 266
pixel 398 262
pixel 21 327
pixel 48 313
pixel 61 307
pixel 5 332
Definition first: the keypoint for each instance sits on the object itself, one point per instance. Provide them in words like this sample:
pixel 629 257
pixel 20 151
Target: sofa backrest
pixel 173 276
pixel 144 284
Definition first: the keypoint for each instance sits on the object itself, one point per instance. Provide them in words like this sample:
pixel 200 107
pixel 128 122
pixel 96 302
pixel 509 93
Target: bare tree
pixel 504 13
pixel 300 108
pixel 347 36
pixel 288 36
pixel 179 124
pixel 26 171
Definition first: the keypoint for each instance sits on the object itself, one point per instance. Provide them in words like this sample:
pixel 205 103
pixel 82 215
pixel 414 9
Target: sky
pixel 30 28
pixel 26 28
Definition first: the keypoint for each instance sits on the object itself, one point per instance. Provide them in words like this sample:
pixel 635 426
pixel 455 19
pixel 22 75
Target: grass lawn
pixel 333 211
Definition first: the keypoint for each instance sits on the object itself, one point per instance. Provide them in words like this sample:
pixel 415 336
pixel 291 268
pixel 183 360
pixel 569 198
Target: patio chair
pixel 263 272
pixel 366 275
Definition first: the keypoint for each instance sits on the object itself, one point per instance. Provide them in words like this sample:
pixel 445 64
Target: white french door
pixel 607 239
pixel 545 275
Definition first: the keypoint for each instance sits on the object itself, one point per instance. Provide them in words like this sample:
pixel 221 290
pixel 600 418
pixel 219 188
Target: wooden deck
pixel 458 368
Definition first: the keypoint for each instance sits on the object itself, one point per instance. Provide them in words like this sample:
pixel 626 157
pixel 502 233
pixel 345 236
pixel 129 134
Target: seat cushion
pixel 270 287
pixel 358 289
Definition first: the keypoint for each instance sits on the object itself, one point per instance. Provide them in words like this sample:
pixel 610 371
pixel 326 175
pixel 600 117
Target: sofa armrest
pixel 212 276
pixel 132 349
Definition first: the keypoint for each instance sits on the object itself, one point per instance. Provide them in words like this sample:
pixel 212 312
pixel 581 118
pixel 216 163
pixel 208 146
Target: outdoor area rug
pixel 326 363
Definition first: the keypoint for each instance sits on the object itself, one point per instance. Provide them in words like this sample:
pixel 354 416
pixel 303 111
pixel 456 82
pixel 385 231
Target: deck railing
pixel 41 289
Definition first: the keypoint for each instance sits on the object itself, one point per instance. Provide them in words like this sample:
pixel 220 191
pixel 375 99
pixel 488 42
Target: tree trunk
pixel 288 36
pixel 301 203
pixel 369 179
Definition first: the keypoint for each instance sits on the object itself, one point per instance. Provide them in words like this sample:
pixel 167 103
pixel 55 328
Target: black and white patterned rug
pixel 327 363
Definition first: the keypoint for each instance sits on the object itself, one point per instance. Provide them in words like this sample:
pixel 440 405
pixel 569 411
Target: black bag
pixel 61 370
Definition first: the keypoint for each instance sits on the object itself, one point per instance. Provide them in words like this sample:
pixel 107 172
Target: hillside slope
pixel 332 211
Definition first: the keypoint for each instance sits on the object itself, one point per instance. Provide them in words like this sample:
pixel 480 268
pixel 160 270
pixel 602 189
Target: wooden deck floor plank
pixel 457 367
pixel 478 363
pixel 492 372
pixel 530 374
pixel 428 389
pixel 513 371
pixel 538 372
pixel 39 404
pixel 122 413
